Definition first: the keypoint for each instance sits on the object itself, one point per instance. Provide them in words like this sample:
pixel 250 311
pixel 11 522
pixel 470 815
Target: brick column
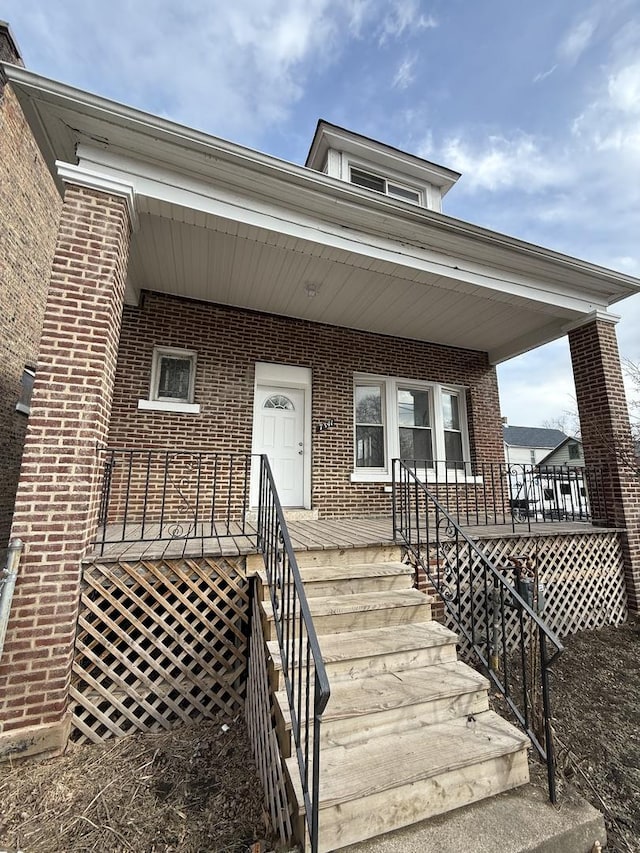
pixel 57 500
pixel 606 437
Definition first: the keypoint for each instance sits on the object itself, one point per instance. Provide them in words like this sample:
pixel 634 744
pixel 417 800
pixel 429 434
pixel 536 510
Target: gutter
pixel 7 586
pixel 37 88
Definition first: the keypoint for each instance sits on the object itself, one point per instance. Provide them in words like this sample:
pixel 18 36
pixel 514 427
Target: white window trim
pixel 391 384
pixel 388 177
pixel 163 404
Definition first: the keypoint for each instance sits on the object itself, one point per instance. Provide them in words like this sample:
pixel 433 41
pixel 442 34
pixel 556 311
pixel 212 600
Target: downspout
pixel 7 585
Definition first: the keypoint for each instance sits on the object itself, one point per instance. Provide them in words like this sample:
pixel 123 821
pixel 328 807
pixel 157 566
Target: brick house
pixel 29 210
pixel 208 299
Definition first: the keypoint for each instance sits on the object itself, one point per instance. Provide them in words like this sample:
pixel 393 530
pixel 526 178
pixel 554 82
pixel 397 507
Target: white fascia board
pixel 174 140
pixel 154 182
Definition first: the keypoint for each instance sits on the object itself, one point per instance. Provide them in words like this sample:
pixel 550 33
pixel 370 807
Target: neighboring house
pixel 208 303
pixel 530 445
pixel 546 473
pixel 29 210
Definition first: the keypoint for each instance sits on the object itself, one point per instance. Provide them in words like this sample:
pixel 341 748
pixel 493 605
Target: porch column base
pixel 48 739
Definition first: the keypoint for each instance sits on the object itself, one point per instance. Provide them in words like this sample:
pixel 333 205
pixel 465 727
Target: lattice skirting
pixel 260 720
pixel 583 576
pixel 159 642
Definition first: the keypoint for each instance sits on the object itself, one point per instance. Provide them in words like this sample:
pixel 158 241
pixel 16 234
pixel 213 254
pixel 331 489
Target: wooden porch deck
pixel 319 534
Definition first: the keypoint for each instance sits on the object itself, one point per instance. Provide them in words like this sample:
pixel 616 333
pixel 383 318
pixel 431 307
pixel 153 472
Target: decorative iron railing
pixel 496 623
pixel 514 494
pixel 303 670
pixel 163 494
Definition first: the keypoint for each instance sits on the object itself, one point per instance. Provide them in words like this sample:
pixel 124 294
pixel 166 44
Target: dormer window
pixel 382 185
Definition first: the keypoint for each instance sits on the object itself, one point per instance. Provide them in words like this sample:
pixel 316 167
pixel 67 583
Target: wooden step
pixel 360 709
pixel 338 580
pixel 340 613
pixel 354 654
pixel 349 556
pixel 399 779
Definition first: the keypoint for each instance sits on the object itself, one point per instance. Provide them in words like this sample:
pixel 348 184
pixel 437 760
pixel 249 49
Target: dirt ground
pixel 194 790
pixel 596 707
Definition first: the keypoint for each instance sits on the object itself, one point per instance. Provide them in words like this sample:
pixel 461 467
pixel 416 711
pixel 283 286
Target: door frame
pixel 283 376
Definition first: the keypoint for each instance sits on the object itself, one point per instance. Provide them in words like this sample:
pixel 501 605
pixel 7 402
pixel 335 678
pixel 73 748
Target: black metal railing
pixel 303 670
pixel 502 629
pixel 515 494
pixel 167 494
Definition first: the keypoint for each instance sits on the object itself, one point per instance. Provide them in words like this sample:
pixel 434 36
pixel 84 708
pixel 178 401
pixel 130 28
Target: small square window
pixel 173 375
pixel 574 450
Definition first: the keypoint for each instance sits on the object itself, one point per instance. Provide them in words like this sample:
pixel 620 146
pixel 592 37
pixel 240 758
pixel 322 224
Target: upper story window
pixel 382 185
pixel 574 450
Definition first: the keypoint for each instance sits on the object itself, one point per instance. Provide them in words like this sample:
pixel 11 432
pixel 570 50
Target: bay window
pixel 407 419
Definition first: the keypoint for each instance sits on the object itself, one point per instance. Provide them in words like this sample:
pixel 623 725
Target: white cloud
pixel 231 68
pixel 502 163
pixel 404 16
pixel 404 75
pixel 624 89
pixel 576 41
pixel 542 75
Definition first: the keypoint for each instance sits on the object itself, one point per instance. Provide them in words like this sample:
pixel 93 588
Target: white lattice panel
pixel 583 577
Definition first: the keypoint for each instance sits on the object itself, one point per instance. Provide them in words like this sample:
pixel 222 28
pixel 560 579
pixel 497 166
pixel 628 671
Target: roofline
pixel 131 118
pixel 421 161
pixel 558 446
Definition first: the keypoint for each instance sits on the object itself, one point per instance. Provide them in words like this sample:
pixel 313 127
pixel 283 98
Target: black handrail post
pixel 546 706
pixel 288 599
pixel 477 566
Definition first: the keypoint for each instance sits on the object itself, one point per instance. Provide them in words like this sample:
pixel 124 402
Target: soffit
pixel 210 258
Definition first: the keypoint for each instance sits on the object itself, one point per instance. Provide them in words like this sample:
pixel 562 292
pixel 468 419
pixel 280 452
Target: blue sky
pixel 537 104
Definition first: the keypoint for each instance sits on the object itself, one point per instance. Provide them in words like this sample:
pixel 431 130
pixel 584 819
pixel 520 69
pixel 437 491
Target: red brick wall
pixel 29 212
pixel 56 504
pixel 606 438
pixel 229 342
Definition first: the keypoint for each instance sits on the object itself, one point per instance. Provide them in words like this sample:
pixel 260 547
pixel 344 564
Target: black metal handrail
pixel 298 643
pixel 501 629
pixel 516 494
pixel 160 494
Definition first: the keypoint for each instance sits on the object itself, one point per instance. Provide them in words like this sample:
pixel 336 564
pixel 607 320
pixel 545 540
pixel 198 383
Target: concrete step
pixel 399 779
pixel 354 612
pixel 390 703
pixel 338 580
pixel 354 654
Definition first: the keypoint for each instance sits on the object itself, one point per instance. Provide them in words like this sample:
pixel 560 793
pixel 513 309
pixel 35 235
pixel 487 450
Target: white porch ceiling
pixel 201 256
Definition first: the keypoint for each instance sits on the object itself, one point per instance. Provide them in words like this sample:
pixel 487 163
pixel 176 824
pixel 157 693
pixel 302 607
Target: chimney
pixel 9 50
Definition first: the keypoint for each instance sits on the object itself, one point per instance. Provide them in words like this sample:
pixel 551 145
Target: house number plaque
pixel 323 425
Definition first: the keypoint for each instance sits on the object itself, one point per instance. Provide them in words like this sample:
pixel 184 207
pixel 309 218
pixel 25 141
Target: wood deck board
pixel 309 535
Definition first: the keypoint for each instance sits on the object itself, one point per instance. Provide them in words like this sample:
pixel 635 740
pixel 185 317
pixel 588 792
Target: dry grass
pixel 190 790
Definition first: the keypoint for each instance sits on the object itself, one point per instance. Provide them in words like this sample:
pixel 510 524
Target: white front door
pixel 279 432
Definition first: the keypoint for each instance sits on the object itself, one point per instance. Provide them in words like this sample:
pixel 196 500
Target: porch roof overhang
pixel 219 222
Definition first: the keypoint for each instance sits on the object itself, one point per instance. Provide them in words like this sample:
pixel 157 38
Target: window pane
pixel 369 447
pixel 174 378
pixel 450 412
pixel 366 179
pixel 413 408
pixel 403 192
pixel 415 444
pixel 368 404
pixel 453 447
